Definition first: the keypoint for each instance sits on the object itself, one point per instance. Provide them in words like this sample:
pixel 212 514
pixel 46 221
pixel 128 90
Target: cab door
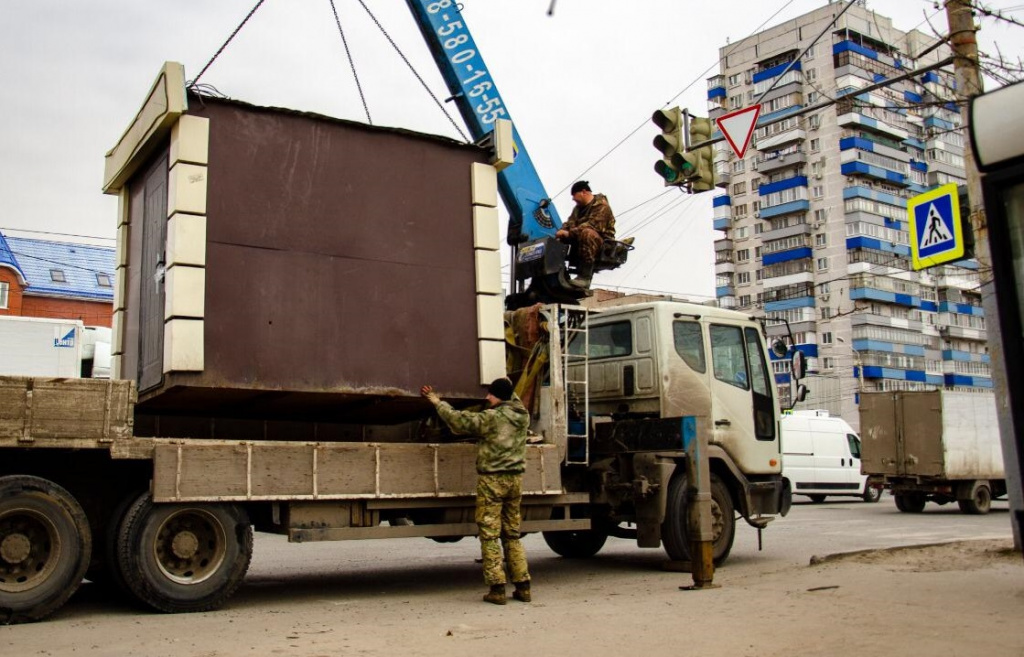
pixel 743 402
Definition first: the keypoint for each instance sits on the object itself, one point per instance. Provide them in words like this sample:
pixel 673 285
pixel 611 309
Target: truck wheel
pixel 575 545
pixel 816 498
pixel 910 502
pixel 980 502
pixel 723 519
pixel 871 494
pixel 109 573
pixel 184 557
pixel 45 547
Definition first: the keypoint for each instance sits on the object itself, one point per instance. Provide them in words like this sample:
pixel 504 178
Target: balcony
pixel 779 160
pixel 723 245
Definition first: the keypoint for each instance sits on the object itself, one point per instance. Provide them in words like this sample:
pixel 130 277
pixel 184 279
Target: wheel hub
pixel 15 548
pixel 185 545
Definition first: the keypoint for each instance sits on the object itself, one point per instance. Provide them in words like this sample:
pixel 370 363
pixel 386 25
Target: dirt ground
pixel 964 598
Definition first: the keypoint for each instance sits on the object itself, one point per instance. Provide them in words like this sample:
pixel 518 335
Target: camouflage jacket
pixel 597 215
pixel 502 433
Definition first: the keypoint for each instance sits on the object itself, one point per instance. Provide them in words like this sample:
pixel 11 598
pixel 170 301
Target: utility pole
pixel 963 40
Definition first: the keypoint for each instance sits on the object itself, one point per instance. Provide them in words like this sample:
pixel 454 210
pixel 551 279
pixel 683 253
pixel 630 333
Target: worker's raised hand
pixel 428 392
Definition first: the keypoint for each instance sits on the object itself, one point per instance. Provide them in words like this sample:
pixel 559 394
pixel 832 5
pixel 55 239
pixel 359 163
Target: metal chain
pixel 408 64
pixel 217 54
pixel 351 63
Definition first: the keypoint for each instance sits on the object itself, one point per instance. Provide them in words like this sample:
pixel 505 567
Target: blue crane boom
pixel 531 214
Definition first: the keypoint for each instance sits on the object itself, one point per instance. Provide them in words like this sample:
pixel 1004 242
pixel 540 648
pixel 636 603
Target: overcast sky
pixel 576 83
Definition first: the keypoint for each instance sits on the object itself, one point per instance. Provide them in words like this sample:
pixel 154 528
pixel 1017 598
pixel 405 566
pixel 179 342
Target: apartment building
pixel 813 219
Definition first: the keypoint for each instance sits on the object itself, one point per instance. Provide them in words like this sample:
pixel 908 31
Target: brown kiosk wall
pixel 315 269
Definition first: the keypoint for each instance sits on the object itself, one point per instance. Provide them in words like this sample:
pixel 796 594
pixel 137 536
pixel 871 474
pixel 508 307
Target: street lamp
pixel 860 368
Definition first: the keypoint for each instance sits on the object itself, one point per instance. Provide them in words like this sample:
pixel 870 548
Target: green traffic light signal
pixel 670 143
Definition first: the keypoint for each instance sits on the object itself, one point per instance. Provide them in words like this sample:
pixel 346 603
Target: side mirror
pixel 779 348
pixel 801 393
pixel 798 365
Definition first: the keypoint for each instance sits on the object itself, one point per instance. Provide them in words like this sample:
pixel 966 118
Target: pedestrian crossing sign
pixel 936 234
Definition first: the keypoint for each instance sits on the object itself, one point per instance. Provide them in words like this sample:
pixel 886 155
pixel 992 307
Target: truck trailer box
pixel 281 264
pixel 33 346
pixel 938 434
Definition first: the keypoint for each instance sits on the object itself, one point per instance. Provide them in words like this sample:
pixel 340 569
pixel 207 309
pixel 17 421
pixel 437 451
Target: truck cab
pixel 650 378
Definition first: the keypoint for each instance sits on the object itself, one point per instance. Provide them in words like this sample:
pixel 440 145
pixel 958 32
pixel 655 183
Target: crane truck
pixel 94 484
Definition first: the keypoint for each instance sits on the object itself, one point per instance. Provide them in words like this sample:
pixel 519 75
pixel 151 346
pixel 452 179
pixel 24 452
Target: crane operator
pixel 588 226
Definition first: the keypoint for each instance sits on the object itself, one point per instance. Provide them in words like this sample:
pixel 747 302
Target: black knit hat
pixel 580 186
pixel 501 388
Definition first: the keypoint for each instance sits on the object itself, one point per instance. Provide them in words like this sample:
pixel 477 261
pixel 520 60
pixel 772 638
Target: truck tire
pixel 674 533
pixel 181 558
pixel 45 547
pixel 910 502
pixel 576 545
pixel 871 494
pixel 979 503
pixel 109 574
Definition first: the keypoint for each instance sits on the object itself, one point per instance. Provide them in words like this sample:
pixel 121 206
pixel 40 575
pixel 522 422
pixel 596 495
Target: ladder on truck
pixel 575 347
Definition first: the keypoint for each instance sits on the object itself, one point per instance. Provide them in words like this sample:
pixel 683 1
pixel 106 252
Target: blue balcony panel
pixel 964 380
pixel 717 92
pixel 864 169
pixel 786 256
pixel 868 193
pixel 719 201
pixel 872 294
pixel 844 46
pixel 789 304
pixel 723 224
pixel 774 71
pixel 785 208
pixel 782 185
pixel 877 245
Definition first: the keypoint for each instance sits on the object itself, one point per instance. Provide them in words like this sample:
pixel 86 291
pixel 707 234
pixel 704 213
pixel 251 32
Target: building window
pixel 758 229
pixel 811 74
pixel 736 102
pixel 809 55
pixel 57 276
pixel 757 252
pixel 814 121
pixel 741 233
pixel 817 191
pixel 737 166
pixel 103 280
pixel 822 264
pixel 743 278
pixel 815 145
pixel 820 239
pixel 739 188
pixel 820 216
pixel 826 363
pixel 739 210
pixel 734 79
pixel 826 337
pixel 812 97
pixel 743 255
pixel 826 313
pixel 4 291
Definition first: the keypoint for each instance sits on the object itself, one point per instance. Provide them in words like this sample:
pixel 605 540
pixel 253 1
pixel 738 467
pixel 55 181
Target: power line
pixel 48 232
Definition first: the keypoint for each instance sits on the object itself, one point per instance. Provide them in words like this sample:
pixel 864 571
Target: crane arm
pixel 531 213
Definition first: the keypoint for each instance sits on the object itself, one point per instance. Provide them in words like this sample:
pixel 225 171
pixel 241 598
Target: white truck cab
pixel 821 457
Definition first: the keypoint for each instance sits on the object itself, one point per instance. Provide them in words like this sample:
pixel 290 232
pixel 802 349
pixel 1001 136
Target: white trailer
pixel 33 346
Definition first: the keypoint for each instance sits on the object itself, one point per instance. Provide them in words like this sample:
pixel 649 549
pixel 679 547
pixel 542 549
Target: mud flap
pixel 650 494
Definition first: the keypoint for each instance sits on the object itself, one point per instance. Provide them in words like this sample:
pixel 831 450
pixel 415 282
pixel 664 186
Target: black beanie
pixel 501 388
pixel 579 186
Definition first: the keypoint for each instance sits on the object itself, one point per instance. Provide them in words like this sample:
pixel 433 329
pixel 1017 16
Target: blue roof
pixel 80 264
pixel 7 258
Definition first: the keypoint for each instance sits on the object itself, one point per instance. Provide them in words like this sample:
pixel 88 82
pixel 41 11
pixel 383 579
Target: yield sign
pixel 738 127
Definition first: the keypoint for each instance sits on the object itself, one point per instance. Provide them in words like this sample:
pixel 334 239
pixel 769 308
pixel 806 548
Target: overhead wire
pixel 351 62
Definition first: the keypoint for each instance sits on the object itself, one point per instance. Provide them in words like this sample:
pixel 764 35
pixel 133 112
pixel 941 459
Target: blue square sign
pixel 936 234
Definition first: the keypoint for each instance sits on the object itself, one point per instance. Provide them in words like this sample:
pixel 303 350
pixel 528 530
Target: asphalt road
pixel 418 597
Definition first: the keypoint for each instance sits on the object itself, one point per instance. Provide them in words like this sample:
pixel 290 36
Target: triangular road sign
pixel 738 127
pixel 936 231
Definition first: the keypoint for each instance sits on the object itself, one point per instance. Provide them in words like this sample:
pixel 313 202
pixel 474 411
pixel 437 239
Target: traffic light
pixel 702 178
pixel 670 144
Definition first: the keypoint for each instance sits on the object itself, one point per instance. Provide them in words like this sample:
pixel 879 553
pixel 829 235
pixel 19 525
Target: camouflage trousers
pixel 498 517
pixel 587 244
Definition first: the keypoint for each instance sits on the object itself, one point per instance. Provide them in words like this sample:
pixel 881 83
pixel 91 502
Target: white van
pixel 821 457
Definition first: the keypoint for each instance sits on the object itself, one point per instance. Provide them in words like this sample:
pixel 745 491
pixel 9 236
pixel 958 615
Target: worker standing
pixel 588 226
pixel 500 461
